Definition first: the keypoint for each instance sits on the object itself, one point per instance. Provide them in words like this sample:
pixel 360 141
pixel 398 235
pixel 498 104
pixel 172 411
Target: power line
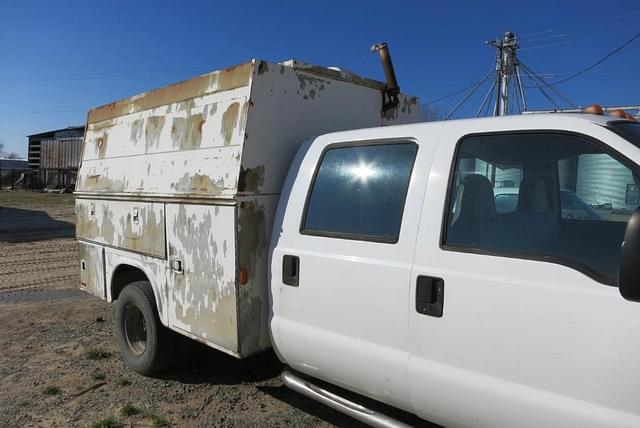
pixel 459 91
pixel 453 94
pixel 27 112
pixel 595 64
pixel 611 20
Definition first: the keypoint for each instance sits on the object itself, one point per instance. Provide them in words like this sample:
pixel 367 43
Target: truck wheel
pixel 145 344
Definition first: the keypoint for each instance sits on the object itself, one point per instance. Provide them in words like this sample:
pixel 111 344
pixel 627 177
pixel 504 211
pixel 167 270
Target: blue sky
pixel 57 59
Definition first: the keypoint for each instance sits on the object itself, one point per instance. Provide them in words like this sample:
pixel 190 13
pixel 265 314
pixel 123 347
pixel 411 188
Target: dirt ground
pixel 59 364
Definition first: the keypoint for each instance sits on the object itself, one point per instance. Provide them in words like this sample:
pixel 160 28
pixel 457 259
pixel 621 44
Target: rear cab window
pixel 359 191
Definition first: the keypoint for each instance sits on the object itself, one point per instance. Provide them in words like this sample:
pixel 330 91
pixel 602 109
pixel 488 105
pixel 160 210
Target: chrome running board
pixel 356 411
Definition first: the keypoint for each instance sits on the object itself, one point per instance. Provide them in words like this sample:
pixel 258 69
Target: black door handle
pixel 290 270
pixel 430 296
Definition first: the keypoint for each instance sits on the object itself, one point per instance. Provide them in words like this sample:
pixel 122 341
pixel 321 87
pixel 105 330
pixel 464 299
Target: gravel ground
pixel 59 364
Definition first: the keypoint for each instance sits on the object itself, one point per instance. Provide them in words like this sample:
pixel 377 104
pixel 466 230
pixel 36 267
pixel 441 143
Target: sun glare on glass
pixel 363 172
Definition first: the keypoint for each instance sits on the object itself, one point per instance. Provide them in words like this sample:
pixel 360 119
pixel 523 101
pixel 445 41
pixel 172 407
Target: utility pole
pixel 506 93
pixel 507 72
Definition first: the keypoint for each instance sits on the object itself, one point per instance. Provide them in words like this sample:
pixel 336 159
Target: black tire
pixel 145 344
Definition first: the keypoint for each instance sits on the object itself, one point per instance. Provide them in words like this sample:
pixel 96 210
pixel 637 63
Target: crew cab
pixel 393 275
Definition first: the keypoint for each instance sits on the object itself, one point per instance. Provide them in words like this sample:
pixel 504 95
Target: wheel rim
pixel 135 329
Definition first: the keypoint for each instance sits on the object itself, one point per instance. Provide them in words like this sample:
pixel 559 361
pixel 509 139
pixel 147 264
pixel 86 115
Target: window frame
pixel 555 259
pixel 355 236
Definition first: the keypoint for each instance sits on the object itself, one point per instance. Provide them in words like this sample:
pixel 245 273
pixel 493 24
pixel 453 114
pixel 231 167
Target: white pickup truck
pixel 390 271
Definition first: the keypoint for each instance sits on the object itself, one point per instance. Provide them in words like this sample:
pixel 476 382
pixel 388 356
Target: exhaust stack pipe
pixel 392 89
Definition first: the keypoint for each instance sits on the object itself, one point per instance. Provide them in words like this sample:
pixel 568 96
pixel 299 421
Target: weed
pixel 109 422
pixel 97 354
pixel 123 381
pixel 158 421
pixel 98 375
pixel 130 410
pixel 51 390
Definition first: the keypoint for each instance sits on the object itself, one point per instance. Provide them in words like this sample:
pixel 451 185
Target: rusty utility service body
pixel 178 187
pixel 475 272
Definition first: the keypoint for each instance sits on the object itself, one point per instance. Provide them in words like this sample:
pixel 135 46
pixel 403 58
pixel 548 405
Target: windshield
pixel 627 130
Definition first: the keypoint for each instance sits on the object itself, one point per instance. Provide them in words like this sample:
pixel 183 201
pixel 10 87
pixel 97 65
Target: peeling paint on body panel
pixel 135 226
pixel 198 183
pixel 213 172
pixel 152 130
pixel 203 296
pixel 136 131
pixel 251 179
pixel 101 144
pixel 186 132
pixel 217 81
pixel 309 85
pixel 254 224
pixel 91 268
pixel 230 122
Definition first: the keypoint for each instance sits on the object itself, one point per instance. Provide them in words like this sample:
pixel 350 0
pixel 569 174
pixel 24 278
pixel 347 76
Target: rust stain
pixel 186 105
pixel 152 131
pixel 96 183
pixel 102 126
pixel 90 277
pixel 136 131
pixel 204 296
pixel 186 133
pixel 178 129
pixel 234 77
pixel 251 179
pixel 252 299
pixel 229 122
pixel 223 80
pixel 107 228
pixel 146 235
pixel 198 183
pixel 194 132
pixel 101 145
pixel 86 226
pixel 251 234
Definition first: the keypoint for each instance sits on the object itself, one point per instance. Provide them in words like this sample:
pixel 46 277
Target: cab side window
pixel 359 192
pixel 567 200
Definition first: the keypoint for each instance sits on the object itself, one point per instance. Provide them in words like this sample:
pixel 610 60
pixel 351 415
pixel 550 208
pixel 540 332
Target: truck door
pixel 515 317
pixel 345 256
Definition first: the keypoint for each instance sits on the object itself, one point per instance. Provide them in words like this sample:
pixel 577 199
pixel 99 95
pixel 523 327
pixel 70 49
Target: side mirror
pixel 629 272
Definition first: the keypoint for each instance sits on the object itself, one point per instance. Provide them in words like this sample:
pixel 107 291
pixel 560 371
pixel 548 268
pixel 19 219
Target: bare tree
pixel 7 155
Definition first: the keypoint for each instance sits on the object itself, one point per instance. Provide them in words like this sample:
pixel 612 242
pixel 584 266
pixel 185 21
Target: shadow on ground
pixel 207 366
pixel 20 225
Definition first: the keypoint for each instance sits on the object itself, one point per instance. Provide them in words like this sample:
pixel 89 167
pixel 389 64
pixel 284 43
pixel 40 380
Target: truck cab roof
pixel 543 121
